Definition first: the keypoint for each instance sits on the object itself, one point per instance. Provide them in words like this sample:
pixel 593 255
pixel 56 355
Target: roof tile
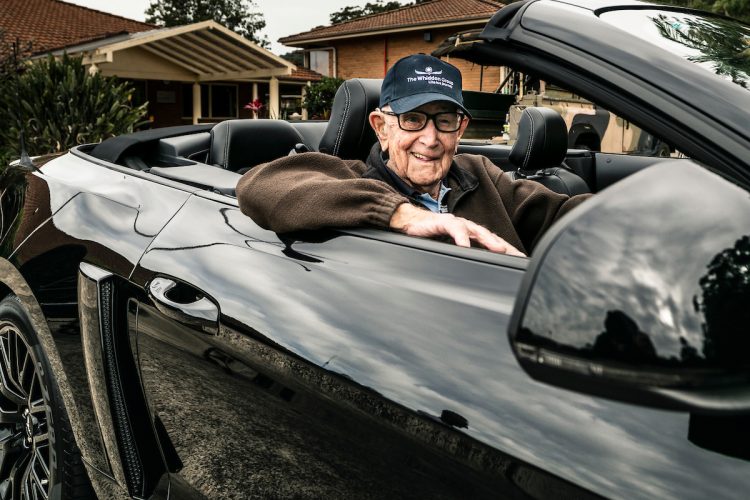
pixel 431 12
pixel 303 74
pixel 51 24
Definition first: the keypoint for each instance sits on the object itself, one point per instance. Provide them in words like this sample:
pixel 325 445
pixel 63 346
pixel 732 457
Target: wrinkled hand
pixel 418 222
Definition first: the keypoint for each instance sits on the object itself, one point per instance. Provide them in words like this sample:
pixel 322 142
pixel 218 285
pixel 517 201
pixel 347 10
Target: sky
pixel 283 17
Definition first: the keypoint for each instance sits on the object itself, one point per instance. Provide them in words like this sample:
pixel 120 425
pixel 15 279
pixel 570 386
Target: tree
pixel 240 16
pixel 724 304
pixel 354 12
pixel 738 9
pixel 61 105
pixel 296 57
pixel 319 97
pixel 716 41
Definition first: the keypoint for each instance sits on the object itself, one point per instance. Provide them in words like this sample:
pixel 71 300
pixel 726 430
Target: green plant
pixel 10 54
pixel 62 105
pixel 319 97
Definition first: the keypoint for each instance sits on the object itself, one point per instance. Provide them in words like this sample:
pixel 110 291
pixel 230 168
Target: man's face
pixel 420 158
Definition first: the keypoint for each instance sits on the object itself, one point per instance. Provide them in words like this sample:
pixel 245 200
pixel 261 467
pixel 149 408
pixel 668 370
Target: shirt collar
pixel 433 205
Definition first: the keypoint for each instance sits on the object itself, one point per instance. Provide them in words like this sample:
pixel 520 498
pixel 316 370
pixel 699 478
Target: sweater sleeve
pixel 532 207
pixel 313 191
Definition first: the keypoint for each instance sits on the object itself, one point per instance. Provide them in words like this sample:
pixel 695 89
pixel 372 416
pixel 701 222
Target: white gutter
pixel 361 34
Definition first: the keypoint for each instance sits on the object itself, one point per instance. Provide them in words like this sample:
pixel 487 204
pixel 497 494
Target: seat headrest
pixel 238 144
pixel 349 135
pixel 542 140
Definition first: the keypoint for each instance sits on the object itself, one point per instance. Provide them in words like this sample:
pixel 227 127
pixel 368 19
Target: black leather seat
pixel 239 145
pixel 349 135
pixel 540 149
pixel 311 132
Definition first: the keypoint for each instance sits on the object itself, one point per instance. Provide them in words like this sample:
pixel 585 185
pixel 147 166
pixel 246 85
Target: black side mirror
pixel 642 295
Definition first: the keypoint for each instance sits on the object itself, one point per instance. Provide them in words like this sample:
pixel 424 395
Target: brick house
pixel 188 74
pixel 366 47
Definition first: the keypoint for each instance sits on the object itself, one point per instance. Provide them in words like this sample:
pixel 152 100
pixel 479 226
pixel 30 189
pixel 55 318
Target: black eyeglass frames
pixel 413 121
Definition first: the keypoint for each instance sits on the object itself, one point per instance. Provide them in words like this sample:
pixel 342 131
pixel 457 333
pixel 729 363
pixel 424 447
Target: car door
pixel 369 364
pixel 344 365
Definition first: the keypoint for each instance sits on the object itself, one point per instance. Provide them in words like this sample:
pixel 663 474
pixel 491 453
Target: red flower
pixel 255 105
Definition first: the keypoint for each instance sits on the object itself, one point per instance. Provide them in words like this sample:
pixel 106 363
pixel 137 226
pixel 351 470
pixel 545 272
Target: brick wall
pixel 370 57
pixel 360 58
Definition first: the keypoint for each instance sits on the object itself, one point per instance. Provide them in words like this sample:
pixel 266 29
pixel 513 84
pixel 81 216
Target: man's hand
pixel 418 222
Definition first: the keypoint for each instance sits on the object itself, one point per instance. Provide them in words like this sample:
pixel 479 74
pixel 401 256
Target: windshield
pixel 721 46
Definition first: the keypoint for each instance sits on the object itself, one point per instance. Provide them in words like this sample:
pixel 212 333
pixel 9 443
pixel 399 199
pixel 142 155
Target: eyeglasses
pixel 413 121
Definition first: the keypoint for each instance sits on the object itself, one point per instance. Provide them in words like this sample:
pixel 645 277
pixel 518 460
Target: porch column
pixel 197 112
pixel 273 99
pixel 93 69
pixel 304 95
pixel 255 96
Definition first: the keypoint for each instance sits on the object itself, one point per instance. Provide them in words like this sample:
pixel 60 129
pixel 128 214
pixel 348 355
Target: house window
pixel 291 104
pixel 187 100
pixel 319 61
pixel 223 101
pixel 218 100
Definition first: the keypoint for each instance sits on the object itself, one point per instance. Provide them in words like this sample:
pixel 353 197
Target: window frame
pixel 208 113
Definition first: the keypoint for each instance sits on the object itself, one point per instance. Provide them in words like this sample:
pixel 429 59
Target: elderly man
pixel 412 181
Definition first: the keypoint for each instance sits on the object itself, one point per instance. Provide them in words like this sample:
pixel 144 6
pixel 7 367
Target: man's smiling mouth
pixel 423 157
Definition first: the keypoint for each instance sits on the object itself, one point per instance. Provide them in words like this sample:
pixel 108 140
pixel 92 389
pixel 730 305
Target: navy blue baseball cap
pixel 419 79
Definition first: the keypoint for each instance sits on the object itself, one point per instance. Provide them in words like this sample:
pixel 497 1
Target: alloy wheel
pixel 25 453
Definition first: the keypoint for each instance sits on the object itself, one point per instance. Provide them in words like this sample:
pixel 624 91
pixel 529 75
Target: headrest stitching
pixel 339 132
pixel 225 162
pixel 546 140
pixel 531 141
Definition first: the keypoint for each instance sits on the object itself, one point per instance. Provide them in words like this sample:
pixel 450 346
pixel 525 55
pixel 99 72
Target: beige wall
pixel 370 57
pixel 138 63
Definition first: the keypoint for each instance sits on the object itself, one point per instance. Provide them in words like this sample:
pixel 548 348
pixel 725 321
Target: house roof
pixel 50 24
pixel 204 51
pixel 417 16
pixel 303 74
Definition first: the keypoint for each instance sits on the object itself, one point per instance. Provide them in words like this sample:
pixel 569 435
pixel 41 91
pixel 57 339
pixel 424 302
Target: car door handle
pixel 184 304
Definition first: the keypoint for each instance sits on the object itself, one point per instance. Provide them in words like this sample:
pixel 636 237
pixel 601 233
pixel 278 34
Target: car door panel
pixel 302 391
pixel 395 338
pixel 611 168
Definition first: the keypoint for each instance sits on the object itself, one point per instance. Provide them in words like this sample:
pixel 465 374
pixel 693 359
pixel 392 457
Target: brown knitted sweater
pixel 315 190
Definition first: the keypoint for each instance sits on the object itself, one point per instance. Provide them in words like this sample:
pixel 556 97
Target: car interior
pixel 215 156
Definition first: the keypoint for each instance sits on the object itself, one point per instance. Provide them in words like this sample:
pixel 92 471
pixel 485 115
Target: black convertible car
pixel 155 342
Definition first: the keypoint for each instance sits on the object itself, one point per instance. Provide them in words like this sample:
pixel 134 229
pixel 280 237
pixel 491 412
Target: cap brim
pixel 411 102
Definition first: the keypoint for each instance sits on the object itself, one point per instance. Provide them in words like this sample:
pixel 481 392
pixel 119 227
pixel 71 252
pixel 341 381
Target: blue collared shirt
pixel 432 204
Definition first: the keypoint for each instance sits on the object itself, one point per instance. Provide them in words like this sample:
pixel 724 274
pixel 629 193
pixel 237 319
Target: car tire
pixel 662 150
pixel 38 454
